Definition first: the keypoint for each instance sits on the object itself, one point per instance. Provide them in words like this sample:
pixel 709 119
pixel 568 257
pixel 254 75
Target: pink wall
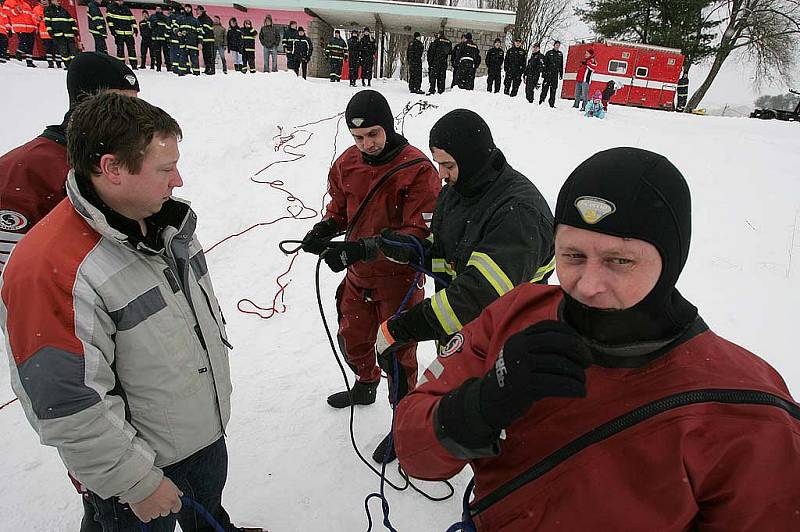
pixel 224 13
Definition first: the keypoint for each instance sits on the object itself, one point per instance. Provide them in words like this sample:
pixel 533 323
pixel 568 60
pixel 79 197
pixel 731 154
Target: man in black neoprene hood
pixel 492 230
pixel 606 403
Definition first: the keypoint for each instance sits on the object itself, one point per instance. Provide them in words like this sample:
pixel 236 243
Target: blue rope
pixel 191 503
pixel 418 267
pixel 466 524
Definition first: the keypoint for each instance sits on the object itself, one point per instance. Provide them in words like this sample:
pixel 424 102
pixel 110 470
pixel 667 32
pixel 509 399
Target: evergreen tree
pixel 678 24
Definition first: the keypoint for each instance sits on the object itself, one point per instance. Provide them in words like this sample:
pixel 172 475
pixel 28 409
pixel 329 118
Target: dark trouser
pixel 301 65
pixel 177 57
pixel 361 310
pixel 88 524
pixel 352 71
pixel 155 53
pixel 437 75
pixel 530 86
pixel 465 76
pixel 493 81
pixel 366 72
pixel 682 101
pixel 100 44
pixel 25 46
pixel 3 46
pixel 512 84
pixel 201 476
pixel 193 56
pixel 549 83
pixel 68 49
pixel 208 57
pixel 126 40
pixel 336 69
pixel 249 61
pixel 414 77
pixel 291 64
pixel 51 52
pixel 144 47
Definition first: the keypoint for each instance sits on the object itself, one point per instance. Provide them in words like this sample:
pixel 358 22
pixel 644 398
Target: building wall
pixel 484 41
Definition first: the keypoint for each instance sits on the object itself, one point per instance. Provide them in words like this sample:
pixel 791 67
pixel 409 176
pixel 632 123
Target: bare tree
pixel 766 31
pixel 538 20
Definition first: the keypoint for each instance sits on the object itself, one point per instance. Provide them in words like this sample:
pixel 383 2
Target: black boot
pixel 362 394
pixel 381 451
pixel 29 63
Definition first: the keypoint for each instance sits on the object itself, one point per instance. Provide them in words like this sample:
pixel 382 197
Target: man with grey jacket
pixel 118 348
pixel 270 37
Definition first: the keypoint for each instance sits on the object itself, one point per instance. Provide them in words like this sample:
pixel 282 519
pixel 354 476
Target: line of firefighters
pixel 49 20
pixel 465 58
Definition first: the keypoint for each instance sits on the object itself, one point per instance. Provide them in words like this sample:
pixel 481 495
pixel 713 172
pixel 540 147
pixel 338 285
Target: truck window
pixel 619 67
pixel 641 72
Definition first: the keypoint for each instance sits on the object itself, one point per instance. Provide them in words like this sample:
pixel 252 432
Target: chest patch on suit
pixel 453 346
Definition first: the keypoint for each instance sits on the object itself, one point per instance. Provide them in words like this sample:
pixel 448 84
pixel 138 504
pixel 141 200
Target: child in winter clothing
pixel 608 92
pixel 595 107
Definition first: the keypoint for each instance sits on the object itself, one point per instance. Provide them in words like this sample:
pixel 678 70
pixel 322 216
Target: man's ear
pixel 110 169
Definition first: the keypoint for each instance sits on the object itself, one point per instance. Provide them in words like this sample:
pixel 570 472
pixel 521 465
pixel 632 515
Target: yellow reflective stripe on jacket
pixel 544 270
pixel 442 266
pixel 493 273
pixel 444 313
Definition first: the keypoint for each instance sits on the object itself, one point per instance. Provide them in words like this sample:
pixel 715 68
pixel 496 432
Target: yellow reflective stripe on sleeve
pixel 493 273
pixel 441 266
pixel 544 270
pixel 444 313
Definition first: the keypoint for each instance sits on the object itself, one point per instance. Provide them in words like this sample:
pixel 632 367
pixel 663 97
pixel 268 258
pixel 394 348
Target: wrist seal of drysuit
pixel 461 428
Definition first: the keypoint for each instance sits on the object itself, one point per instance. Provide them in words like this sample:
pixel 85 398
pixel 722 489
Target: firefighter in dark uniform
pixel 553 71
pixel 208 39
pixel 97 27
pixel 146 43
pixel 494 63
pixel 353 52
pixel 492 230
pixel 469 60
pixel 438 52
pixel 63 29
pixel 532 72
pixel 683 92
pixel 414 59
pixel 161 30
pixel 336 52
pixel 366 57
pixel 123 28
pixel 191 35
pixel 455 57
pixel 289 37
pixel 514 67
pixel 176 52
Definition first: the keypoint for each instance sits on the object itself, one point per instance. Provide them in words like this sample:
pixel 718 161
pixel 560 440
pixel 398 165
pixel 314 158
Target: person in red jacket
pixel 607 403
pixel 5 32
pixel 381 182
pixel 32 176
pixel 24 25
pixel 585 71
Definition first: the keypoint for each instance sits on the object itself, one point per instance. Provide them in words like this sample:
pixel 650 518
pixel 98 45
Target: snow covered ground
pixel 291 465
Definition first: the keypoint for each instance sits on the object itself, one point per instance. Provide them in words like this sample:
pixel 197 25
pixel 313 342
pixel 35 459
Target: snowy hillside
pixel 291 465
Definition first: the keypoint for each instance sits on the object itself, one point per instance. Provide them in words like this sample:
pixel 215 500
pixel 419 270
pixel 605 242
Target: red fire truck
pixel 648 75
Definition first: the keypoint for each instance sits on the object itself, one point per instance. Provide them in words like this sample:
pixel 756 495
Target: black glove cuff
pixel 460 426
pixel 370 248
pixel 413 325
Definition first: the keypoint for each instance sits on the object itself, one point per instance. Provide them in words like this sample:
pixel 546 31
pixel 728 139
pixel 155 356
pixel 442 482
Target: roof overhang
pixel 397 17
